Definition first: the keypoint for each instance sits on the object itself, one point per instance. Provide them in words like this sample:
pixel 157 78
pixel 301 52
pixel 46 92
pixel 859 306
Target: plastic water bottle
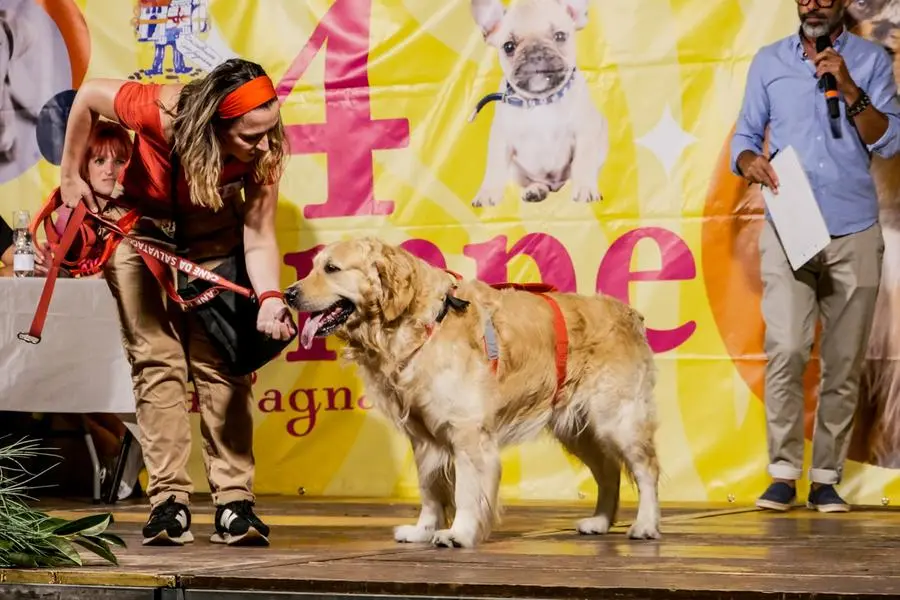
pixel 23 257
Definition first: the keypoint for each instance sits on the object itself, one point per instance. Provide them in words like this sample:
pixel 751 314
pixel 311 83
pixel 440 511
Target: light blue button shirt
pixel 783 92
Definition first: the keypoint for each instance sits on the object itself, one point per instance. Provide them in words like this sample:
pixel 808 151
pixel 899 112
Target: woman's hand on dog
pixel 275 320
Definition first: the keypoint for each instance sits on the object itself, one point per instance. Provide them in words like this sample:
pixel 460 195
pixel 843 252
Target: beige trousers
pixel 165 347
pixel 840 286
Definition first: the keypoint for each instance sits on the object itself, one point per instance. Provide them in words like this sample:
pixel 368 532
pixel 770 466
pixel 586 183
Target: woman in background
pixel 107 152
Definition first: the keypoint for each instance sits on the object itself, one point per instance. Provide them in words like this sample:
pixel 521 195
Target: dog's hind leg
pixel 632 432
pixel 435 472
pixel 604 464
pixel 477 460
pixel 640 455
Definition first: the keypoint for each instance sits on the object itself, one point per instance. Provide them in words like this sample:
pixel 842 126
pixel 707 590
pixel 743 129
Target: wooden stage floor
pixel 344 547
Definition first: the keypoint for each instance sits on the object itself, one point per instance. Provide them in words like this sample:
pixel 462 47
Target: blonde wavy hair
pixel 196 126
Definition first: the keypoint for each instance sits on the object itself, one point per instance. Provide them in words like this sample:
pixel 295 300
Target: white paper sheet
pixel 794 211
pixel 79 366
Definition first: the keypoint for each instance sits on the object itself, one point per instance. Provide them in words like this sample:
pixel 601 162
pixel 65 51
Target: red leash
pixel 40 315
pixel 157 259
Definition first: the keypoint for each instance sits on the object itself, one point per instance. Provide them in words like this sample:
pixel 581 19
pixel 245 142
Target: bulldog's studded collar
pixel 510 97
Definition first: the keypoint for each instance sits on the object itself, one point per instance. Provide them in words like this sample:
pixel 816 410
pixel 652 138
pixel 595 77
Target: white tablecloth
pixel 79 366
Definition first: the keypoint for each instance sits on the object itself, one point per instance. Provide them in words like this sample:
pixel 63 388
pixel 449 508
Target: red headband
pixel 248 96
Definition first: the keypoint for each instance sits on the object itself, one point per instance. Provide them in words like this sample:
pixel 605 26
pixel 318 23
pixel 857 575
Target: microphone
pixel 831 95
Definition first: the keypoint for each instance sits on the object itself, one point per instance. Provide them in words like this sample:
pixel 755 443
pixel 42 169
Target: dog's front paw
pixel 586 194
pixel 412 534
pixel 536 192
pixel 644 531
pixel 448 538
pixel 488 197
pixel 594 525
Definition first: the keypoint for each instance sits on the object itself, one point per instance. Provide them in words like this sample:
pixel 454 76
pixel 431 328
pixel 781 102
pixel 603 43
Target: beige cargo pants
pixel 165 347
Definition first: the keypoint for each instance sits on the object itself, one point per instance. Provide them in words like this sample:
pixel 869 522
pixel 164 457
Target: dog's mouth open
pixel 324 322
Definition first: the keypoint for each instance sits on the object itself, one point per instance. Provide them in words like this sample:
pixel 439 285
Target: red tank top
pixel 147 175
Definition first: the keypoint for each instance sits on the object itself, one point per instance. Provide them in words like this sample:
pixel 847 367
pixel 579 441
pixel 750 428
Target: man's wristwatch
pixel 860 105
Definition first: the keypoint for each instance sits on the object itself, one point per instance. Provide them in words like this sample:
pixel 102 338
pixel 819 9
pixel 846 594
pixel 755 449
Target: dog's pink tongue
pixel 309 330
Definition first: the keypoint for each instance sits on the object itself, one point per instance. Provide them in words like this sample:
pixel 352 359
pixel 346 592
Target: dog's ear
pixel 487 14
pixel 578 10
pixel 397 273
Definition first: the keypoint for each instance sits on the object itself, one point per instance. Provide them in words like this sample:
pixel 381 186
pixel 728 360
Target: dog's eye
pixel 560 36
pixel 509 47
pixel 331 268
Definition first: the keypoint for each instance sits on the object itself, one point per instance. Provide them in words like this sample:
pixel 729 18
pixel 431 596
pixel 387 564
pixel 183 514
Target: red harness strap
pixel 90 257
pixel 559 326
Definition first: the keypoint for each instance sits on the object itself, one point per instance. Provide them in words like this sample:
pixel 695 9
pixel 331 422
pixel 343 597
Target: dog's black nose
pixel 290 295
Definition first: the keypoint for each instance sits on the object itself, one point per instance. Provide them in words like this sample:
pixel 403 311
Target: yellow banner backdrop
pixel 377 96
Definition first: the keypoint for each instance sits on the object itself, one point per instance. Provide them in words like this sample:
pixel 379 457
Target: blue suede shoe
pixel 826 499
pixel 780 496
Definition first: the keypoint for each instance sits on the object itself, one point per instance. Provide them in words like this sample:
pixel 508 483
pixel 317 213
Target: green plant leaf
pixel 112 539
pixel 21 559
pixel 52 523
pixel 55 561
pixel 66 549
pixel 98 547
pixel 90 525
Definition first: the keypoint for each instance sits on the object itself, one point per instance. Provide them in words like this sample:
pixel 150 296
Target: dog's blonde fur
pixel 458 414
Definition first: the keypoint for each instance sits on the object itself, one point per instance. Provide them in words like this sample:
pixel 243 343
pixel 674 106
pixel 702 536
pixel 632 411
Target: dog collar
pixel 510 97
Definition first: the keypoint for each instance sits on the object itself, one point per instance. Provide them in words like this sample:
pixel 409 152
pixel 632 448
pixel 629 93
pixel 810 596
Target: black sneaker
pixel 236 525
pixel 780 496
pixel 169 525
pixel 825 499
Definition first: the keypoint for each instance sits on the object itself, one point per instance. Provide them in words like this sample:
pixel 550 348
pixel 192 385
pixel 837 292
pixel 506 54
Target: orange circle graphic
pixel 733 216
pixel 74 30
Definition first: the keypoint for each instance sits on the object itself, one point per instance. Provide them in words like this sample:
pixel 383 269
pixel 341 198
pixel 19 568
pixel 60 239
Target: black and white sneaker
pixel 237 525
pixel 169 525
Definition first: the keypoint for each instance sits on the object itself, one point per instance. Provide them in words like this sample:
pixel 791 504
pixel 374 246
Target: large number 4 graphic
pixel 349 135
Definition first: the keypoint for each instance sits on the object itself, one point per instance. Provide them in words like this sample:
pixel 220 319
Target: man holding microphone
pixel 788 89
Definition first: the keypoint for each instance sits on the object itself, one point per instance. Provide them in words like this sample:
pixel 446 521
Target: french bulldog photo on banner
pixel 546 130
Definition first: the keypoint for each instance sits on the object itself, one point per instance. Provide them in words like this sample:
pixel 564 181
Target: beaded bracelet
pixel 860 105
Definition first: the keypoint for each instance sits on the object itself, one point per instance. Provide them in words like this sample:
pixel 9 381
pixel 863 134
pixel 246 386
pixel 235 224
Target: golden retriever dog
pixel 421 340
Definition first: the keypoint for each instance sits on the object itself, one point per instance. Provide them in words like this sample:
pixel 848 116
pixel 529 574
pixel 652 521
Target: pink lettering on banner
pixel 302 264
pixel 548 253
pixel 349 135
pixel 555 267
pixel 677 264
pixel 427 251
pixel 305 405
